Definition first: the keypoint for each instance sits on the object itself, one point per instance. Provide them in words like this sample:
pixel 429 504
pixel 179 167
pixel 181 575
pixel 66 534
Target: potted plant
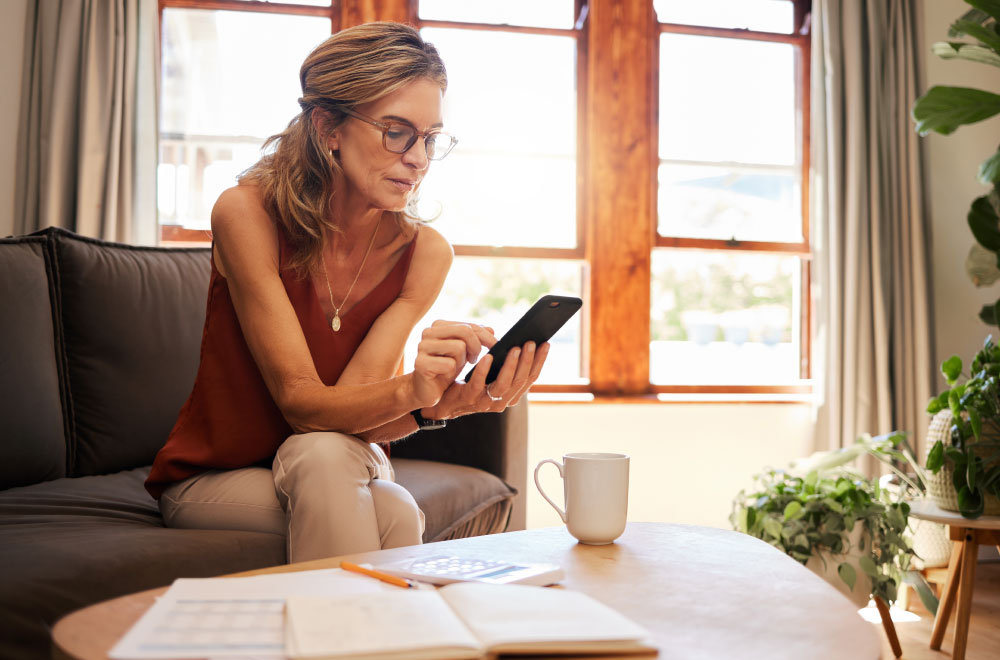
pixel 943 109
pixel 843 526
pixel 964 436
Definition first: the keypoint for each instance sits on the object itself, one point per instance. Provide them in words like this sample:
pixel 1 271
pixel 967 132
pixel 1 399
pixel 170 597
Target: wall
pixel 12 14
pixel 952 162
pixel 687 460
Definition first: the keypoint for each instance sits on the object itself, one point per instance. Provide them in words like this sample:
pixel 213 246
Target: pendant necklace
pixel 335 323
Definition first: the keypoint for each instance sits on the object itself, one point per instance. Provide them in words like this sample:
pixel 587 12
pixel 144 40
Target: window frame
pixel 617 145
pixel 800 39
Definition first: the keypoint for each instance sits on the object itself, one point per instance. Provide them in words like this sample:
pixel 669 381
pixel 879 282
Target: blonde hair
pixel 354 66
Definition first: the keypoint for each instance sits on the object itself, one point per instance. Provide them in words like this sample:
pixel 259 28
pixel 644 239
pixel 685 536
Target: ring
pixel 490 394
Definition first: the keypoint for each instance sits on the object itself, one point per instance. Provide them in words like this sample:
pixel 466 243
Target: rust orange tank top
pixel 230 420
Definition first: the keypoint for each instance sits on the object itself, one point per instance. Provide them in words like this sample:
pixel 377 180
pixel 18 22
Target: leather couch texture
pixel 99 344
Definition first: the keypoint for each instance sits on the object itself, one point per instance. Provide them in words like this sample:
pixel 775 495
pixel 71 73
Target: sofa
pixel 99 344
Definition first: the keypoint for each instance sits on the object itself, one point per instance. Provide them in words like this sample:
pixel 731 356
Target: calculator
pixel 444 569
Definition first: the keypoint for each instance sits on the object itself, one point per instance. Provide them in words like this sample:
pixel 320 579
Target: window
pixel 213 117
pixel 648 156
pixel 729 295
pixel 507 196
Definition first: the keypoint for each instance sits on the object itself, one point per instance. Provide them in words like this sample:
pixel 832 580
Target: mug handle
pixel 562 514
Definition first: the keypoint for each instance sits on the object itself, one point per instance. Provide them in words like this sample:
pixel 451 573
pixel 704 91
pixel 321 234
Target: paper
pixel 231 617
pixel 357 627
pixel 461 620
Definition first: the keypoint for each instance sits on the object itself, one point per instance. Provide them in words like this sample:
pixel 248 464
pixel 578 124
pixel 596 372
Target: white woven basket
pixel 940 486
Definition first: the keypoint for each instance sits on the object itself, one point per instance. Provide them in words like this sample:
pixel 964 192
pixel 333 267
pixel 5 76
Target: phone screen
pixel 538 324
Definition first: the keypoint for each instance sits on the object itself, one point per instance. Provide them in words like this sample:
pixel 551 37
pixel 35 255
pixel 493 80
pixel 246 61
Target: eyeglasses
pixel 398 138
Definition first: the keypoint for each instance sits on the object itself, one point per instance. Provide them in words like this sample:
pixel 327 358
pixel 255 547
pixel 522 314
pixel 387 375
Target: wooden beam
pixel 356 12
pixel 620 207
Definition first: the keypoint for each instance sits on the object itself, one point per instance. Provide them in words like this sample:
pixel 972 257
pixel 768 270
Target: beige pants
pixel 327 493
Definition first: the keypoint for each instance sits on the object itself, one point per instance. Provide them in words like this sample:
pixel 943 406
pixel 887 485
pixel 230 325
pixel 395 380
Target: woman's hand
pixel 444 350
pixel 519 371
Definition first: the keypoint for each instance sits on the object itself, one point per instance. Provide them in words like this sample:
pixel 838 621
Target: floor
pixel 984 624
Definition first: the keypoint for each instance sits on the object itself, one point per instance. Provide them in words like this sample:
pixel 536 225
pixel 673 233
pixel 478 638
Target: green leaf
pixel 935 457
pixel 919 584
pixel 978 31
pixel 969 52
pixel 984 223
pixel 988 313
pixel 972 15
pixel 952 369
pixel 793 510
pixel 977 423
pixel 970 503
pixel 989 171
pixel 971 473
pixel 943 109
pixel 955 403
pixel 868 566
pixel 772 527
pixel 847 574
pixel 991 7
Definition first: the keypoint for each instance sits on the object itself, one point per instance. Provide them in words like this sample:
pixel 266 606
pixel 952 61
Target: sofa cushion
pixel 456 500
pixel 68 543
pixel 132 320
pixel 32 440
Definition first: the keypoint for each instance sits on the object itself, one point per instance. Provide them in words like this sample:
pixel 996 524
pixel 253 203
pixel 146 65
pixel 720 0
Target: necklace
pixel 335 323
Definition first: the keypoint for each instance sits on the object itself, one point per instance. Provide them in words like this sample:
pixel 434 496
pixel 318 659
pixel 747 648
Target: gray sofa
pixel 98 349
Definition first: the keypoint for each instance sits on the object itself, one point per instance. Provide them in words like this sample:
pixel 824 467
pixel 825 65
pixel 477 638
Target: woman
pixel 319 274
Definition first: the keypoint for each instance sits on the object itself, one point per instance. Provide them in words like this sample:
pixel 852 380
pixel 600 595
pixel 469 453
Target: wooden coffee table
pixel 702 592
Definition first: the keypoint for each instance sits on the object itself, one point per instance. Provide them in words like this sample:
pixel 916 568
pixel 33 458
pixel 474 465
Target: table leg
pixel 890 629
pixel 970 554
pixel 947 596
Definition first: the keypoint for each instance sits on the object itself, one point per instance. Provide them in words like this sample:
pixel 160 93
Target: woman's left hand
pixel 519 371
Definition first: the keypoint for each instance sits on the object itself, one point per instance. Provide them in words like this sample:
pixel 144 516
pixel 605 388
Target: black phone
pixel 538 325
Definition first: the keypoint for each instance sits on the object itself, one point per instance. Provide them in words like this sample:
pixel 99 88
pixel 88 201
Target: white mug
pixel 595 489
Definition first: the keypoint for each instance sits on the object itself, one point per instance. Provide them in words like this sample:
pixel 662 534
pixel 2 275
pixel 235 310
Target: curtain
pixel 87 141
pixel 871 230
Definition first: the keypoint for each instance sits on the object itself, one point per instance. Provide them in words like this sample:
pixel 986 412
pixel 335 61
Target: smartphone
pixel 538 325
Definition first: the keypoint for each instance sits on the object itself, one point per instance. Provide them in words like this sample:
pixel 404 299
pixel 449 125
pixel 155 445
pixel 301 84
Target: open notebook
pixel 461 620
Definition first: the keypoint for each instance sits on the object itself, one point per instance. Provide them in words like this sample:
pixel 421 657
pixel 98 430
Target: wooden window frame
pixel 617 164
pixel 799 38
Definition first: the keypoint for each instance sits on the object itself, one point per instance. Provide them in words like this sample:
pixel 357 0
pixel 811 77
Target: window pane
pixel 724 318
pixel 727 100
pixel 726 202
pixel 512 178
pixel 496 292
pixel 531 13
pixel 760 15
pixel 223 95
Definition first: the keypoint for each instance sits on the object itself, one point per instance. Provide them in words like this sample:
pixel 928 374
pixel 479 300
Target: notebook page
pixel 517 617
pixel 400 624
pixel 230 617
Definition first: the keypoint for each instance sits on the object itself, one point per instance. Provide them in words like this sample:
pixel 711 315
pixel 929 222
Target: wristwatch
pixel 427 424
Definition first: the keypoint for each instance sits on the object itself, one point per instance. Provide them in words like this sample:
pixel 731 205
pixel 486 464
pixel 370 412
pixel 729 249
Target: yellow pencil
pixel 378 575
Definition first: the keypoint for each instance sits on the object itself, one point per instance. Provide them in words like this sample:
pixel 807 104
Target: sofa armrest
pixel 494 442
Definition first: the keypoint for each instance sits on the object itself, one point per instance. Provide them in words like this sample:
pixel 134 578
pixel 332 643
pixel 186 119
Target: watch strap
pixel 428 424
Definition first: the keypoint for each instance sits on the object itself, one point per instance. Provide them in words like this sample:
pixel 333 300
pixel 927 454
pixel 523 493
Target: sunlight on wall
pixel 687 460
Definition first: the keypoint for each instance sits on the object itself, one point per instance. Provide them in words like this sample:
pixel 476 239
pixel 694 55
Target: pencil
pixel 378 575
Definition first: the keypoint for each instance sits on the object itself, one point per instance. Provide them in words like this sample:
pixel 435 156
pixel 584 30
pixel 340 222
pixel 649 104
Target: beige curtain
pixel 871 229
pixel 87 142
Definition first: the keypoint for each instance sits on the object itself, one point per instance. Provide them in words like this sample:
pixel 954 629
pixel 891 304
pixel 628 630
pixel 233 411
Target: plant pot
pixel 826 565
pixel 940 486
pixel 930 542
